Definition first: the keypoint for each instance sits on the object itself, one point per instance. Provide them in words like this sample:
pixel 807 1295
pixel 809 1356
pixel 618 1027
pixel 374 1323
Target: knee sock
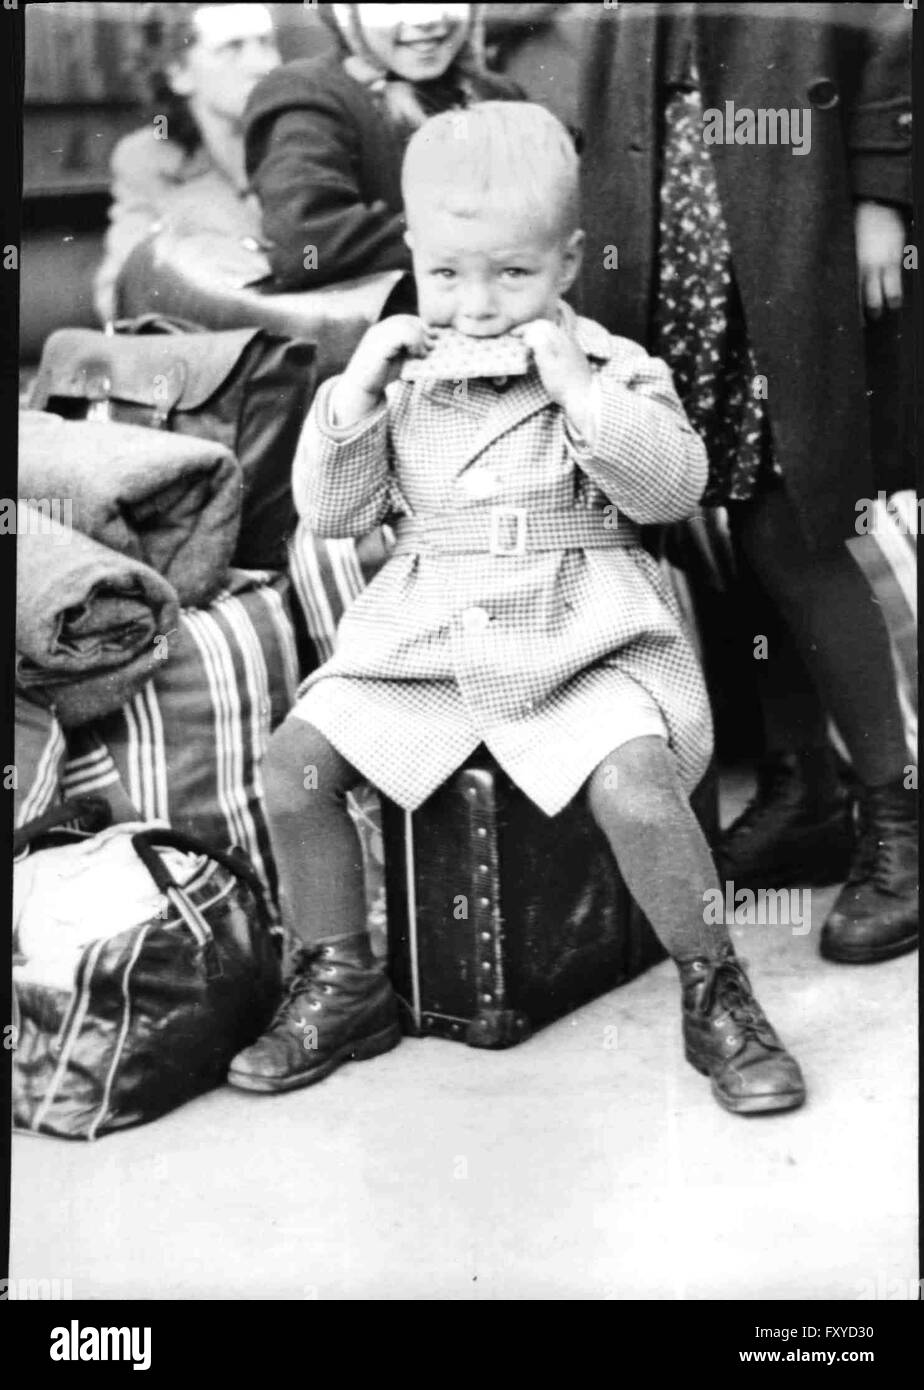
pixel 314 840
pixel 662 853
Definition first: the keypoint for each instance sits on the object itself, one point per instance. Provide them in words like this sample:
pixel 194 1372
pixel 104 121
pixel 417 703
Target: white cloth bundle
pixel 70 895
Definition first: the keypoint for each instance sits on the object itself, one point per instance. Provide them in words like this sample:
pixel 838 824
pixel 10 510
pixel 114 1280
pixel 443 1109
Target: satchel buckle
pixel 499 515
pixel 97 387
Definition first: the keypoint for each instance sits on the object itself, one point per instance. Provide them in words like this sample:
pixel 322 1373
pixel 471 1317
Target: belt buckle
pixel 519 542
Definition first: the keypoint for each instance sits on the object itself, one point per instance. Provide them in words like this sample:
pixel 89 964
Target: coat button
pixel 823 93
pixel 903 122
pixel 475 619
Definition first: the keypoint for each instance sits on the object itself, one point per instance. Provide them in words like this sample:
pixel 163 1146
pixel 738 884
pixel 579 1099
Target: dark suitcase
pixel 500 918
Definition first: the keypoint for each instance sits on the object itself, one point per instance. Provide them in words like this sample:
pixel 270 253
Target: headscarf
pixel 408 104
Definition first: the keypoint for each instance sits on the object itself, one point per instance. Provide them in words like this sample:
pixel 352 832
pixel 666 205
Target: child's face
pixel 416 42
pixel 487 274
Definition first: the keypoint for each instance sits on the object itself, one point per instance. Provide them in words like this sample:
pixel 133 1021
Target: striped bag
pixel 327 575
pixel 40 750
pixel 187 749
pixel 887 554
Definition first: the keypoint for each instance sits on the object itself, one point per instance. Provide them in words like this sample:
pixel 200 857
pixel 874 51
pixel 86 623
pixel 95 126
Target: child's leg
pixel 338 1004
pixel 314 840
pixel 637 800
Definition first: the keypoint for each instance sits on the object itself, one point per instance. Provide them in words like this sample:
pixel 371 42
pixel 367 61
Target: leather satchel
pixel 144 959
pixel 248 389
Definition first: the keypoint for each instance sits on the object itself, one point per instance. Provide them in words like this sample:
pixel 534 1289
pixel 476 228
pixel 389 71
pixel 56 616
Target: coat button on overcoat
pixel 823 93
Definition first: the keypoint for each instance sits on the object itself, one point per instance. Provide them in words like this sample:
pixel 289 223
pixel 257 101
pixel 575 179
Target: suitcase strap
pixel 502 530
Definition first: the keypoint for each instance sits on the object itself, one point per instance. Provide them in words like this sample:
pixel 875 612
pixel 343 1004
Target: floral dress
pixel 699 320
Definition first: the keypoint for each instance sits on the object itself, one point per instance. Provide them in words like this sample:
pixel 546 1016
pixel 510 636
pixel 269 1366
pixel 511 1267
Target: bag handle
pixel 93 812
pixel 157 323
pixel 144 842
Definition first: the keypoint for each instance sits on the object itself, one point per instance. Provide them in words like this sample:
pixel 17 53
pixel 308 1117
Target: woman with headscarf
pixel 324 139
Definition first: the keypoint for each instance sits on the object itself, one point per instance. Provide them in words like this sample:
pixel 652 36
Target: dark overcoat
pixel 790 218
pixel 325 164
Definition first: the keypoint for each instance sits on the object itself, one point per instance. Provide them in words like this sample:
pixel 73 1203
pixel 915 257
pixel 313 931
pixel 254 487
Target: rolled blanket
pixel 87 620
pixel 168 500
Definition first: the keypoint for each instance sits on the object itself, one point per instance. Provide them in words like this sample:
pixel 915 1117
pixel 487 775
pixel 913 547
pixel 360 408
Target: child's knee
pixel 637 787
pixel 290 766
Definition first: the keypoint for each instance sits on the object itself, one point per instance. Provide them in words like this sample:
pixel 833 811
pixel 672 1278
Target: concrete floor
pixel 566 1168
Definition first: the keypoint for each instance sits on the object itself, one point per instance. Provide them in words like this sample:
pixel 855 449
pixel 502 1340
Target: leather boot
pixel 876 914
pixel 728 1038
pixel 338 1007
pixel 797 829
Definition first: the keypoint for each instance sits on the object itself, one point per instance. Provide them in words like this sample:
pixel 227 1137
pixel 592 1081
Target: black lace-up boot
pixel 797 829
pixel 338 1007
pixel 728 1038
pixel 876 913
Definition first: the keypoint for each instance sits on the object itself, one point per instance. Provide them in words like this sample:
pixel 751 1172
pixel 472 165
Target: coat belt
pixel 503 530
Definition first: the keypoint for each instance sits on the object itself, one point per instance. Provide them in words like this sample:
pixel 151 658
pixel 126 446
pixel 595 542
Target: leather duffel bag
pixel 248 389
pixel 144 959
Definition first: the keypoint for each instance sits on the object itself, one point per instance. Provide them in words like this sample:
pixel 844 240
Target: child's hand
pixel 880 237
pixel 376 362
pixel 562 366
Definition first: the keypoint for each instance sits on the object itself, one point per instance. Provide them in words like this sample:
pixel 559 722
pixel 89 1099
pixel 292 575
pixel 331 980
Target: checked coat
pixel 551 658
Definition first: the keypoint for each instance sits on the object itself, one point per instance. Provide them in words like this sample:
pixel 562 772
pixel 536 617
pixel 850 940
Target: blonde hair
pixel 503 155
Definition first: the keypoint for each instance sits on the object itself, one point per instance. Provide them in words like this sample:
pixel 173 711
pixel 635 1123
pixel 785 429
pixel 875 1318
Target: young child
pixel 518 610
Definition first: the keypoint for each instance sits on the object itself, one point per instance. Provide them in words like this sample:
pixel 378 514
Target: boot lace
pixel 867 862
pixel 302 983
pixel 727 986
pixel 878 853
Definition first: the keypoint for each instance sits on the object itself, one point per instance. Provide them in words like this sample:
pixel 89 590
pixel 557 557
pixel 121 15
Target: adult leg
pixel 637 800
pixel 338 1005
pixel 798 826
pixel 837 625
pixel 834 617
